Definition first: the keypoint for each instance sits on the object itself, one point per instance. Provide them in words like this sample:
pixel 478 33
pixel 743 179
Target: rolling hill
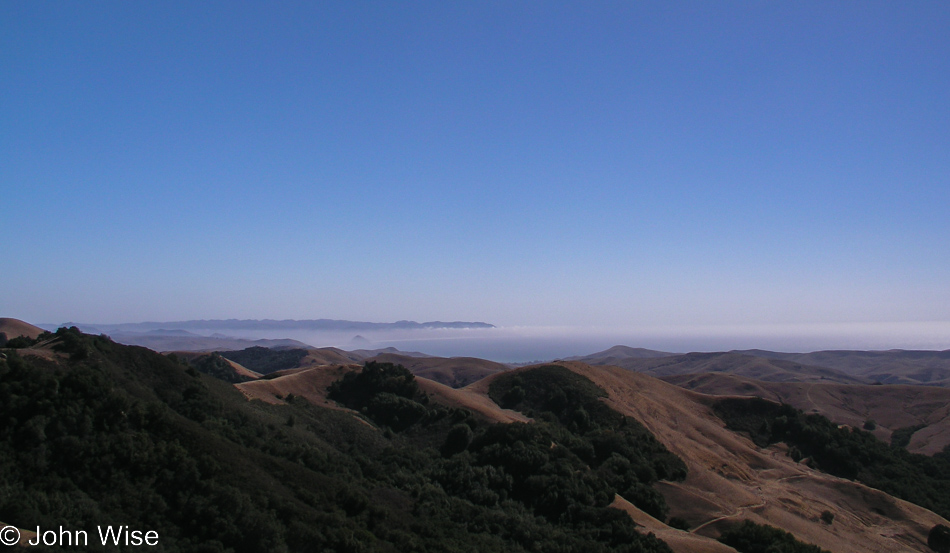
pixel 731 479
pixel 13 328
pixel 456 372
pixel 739 364
pixel 923 409
pixel 616 354
pixel 888 367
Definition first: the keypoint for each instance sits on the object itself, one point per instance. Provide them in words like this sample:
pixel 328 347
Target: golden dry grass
pixel 472 398
pixel 310 384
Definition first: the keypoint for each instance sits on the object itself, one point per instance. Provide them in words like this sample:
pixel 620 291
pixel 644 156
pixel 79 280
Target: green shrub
pixel 939 539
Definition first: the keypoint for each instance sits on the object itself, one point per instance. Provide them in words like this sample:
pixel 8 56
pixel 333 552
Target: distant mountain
pixel 617 353
pixel 366 353
pixel 888 367
pixel 270 324
pixel 173 332
pixel 194 342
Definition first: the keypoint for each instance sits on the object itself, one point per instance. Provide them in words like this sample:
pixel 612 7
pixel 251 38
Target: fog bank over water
pixel 534 343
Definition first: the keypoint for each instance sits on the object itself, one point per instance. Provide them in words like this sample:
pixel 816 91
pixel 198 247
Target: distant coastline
pixel 267 325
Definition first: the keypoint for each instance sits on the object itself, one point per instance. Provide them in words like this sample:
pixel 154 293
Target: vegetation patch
pixel 901 437
pixel 266 360
pixel 618 449
pixel 750 537
pixel 843 451
pixel 217 366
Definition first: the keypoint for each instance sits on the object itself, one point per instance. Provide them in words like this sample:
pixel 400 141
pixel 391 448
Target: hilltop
pixel 14 328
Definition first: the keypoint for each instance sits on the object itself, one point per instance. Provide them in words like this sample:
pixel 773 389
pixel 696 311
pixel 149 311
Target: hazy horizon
pixel 746 167
pixel 542 343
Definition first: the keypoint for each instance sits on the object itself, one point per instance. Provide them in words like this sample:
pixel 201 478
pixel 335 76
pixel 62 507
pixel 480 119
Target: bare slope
pixel 308 383
pixel 732 479
pixel 890 407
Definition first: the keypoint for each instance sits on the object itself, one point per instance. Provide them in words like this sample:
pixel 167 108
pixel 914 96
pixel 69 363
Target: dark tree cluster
pixel 750 537
pixel 214 364
pixel 618 448
pixel 266 360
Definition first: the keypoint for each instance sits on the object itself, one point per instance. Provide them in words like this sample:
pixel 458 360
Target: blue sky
pixel 522 163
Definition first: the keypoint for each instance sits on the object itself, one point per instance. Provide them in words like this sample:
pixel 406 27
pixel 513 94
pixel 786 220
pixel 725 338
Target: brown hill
pixel 617 353
pixel 456 372
pixel 473 397
pixel 731 479
pixel 891 407
pixel 758 368
pixel 242 370
pixel 329 356
pixel 12 328
pixel 888 367
pixel 192 357
pixel 310 383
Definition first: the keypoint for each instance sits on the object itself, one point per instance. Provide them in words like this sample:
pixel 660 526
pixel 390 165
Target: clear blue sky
pixel 520 163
